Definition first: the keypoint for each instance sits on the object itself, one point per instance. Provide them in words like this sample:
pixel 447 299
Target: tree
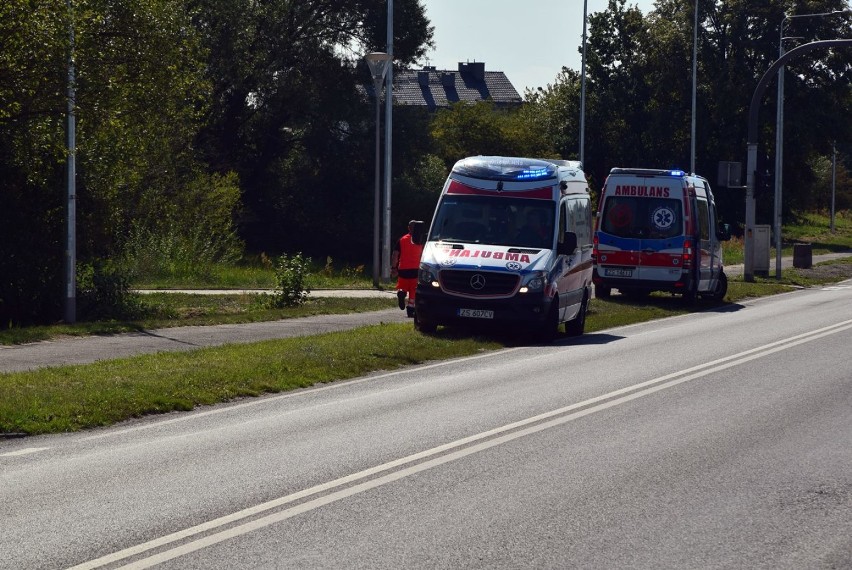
pixel 139 89
pixel 287 114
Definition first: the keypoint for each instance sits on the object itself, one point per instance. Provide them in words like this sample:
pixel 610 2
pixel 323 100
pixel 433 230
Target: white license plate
pixel 615 272
pixel 476 313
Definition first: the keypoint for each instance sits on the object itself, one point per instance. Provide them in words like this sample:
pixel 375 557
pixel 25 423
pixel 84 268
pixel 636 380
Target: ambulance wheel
pixel 691 294
pixel 721 288
pixel 550 327
pixel 424 325
pixel 602 291
pixel 576 326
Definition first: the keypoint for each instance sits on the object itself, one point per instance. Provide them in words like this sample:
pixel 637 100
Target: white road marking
pixel 26 451
pixel 445 454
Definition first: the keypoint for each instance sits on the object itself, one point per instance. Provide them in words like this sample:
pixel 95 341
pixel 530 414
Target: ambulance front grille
pixel 478 283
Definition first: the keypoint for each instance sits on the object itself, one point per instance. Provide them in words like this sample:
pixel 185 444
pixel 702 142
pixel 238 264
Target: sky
pixel 529 41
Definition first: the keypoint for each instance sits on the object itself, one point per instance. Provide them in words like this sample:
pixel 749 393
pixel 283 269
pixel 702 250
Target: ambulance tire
pixel 424 325
pixel 718 294
pixel 577 326
pixel 550 327
pixel 691 294
pixel 603 292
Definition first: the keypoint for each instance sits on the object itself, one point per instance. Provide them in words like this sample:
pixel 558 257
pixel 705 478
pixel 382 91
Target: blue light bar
pixel 678 173
pixel 533 173
pixel 505 168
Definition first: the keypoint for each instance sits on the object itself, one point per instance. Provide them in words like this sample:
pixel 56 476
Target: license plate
pixel 617 272
pixel 476 313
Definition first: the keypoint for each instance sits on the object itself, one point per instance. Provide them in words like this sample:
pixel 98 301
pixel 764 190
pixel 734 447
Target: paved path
pixel 83 350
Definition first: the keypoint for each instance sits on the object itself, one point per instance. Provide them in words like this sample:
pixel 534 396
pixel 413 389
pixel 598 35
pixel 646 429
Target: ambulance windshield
pixel 642 218
pixel 486 220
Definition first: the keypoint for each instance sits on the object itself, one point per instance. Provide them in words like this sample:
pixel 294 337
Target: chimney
pixel 475 69
pixel 448 79
pixel 423 78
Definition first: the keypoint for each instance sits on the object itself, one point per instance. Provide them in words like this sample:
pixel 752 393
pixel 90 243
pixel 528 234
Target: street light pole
pixel 583 86
pixel 71 182
pixel 378 64
pixel 386 248
pixel 833 181
pixel 748 271
pixel 694 88
pixel 779 138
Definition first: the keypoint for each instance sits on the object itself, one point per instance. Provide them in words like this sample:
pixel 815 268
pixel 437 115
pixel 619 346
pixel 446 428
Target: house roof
pixel 435 88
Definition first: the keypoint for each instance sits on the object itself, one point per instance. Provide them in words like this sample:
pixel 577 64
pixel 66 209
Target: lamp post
pixel 694 88
pixel 833 181
pixel 583 85
pixel 386 244
pixel 779 137
pixel 378 64
pixel 71 182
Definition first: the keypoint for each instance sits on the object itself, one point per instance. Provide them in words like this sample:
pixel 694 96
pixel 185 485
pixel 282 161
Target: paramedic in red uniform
pixel 406 263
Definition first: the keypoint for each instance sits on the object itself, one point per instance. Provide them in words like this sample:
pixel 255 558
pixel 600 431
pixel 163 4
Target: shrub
pixel 103 292
pixel 290 275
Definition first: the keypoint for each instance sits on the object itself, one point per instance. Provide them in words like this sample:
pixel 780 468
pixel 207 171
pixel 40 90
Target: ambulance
pixel 657 230
pixel 509 246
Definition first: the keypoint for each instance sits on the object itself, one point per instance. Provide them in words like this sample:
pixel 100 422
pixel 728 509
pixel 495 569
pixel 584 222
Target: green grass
pixel 163 310
pixel 258 273
pixel 71 398
pixel 812 228
pixel 78 397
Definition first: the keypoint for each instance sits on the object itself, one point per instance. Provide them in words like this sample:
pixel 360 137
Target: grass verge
pixel 71 398
pixel 163 310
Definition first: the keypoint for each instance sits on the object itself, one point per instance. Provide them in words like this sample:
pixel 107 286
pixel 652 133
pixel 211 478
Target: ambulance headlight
pixel 534 282
pixel 428 275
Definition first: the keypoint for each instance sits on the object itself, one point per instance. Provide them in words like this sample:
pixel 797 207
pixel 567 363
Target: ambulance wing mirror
pixel 418 233
pixel 723 232
pixel 568 245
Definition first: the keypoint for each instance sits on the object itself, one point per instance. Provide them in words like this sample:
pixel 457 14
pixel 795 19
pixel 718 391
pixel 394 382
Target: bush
pixel 290 275
pixel 103 292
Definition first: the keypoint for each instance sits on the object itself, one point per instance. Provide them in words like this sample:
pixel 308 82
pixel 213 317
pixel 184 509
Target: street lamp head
pixel 378 64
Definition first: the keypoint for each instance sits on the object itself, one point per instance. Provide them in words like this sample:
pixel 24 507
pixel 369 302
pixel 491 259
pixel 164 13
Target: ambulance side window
pixel 584 222
pixel 575 216
pixel 703 219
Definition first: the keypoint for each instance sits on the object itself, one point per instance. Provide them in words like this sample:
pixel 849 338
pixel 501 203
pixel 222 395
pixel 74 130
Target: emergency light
pixel 533 174
pixel 678 173
pixel 505 168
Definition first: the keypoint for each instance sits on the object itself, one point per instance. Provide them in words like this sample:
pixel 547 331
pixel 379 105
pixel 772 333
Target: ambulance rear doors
pixel 642 235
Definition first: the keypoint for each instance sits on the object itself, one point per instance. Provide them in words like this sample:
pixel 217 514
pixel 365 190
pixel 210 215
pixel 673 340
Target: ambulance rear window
pixel 643 218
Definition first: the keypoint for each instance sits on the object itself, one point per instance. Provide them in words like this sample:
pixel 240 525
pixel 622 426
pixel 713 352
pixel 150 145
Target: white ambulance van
pixel 510 245
pixel 657 230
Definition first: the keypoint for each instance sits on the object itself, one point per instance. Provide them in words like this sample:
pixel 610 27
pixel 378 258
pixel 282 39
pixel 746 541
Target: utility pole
pixel 752 136
pixel 386 247
pixel 71 182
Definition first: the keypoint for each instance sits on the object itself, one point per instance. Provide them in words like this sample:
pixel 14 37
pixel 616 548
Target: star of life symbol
pixel 477 282
pixel 663 218
pixel 513 266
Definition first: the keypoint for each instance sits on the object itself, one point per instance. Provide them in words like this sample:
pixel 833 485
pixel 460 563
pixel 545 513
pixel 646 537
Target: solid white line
pixel 26 451
pixel 481 442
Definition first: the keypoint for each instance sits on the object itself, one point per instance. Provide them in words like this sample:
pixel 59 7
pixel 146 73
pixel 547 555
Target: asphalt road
pixel 711 440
